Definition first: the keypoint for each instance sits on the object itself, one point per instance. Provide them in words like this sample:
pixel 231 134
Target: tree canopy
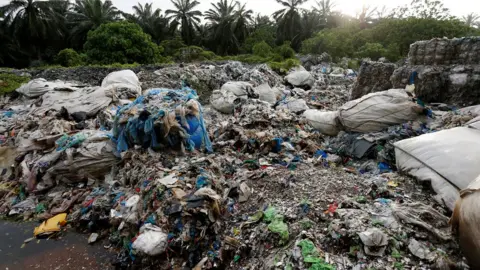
pixel 36 31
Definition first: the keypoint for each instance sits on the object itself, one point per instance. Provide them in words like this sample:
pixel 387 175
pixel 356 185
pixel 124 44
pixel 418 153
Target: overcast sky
pixel 457 7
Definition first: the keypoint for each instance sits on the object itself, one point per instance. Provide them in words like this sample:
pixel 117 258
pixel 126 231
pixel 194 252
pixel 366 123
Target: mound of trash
pixel 273 173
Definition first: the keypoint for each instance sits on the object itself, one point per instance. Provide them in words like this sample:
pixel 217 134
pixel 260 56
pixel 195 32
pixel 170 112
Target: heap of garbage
pixel 273 173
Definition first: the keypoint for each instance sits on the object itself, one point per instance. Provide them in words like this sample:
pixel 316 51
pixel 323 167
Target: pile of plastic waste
pixel 266 177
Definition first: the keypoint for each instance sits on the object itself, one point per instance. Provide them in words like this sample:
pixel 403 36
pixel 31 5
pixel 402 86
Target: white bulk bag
pixel 325 122
pixel 123 82
pixel 376 111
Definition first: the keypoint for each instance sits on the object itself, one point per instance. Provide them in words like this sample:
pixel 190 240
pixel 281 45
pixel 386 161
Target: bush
pixel 68 58
pixel 285 51
pixel 249 59
pixel 171 46
pixel 193 53
pixel 353 64
pixel 207 55
pixel 394 35
pixel 372 50
pixel 285 66
pixel 121 42
pixel 38 63
pixel 337 42
pixel 262 49
pixel 10 82
pixel 265 33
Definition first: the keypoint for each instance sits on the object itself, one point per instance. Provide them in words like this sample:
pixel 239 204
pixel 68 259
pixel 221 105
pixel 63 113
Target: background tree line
pixel 35 33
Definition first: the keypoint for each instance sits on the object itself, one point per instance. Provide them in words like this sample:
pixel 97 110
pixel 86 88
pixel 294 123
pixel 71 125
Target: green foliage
pixel 353 64
pixel 337 42
pixel 117 65
pixel 186 16
pixel 371 50
pixel 121 42
pixel 265 33
pixel 285 51
pixel 284 66
pixel 10 82
pixel 193 53
pixel 87 15
pixel 394 35
pixel 68 58
pixel 262 49
pixel 171 46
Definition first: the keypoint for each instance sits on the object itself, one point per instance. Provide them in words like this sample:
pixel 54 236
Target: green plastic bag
pixel 310 255
pixel 278 226
pixel 269 214
pixel 308 248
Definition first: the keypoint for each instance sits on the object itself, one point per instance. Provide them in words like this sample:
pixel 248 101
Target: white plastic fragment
pixel 151 241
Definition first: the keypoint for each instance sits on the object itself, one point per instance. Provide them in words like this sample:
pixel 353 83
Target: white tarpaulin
pixel 90 100
pixel 377 111
pixel 38 87
pixel 449 159
pixel 123 83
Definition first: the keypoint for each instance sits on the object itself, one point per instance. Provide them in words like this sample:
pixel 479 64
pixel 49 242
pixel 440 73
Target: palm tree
pixel 382 13
pixel 324 9
pixel 311 23
pixel 243 19
pixel 261 20
pixel 187 17
pixel 33 23
pixel 151 21
pixel 288 20
pixel 87 15
pixel 222 18
pixel 471 19
pixel 365 16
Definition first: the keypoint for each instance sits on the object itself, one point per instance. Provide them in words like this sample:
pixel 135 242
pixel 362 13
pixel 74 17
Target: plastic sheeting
pixel 151 241
pixel 162 117
pixel 89 100
pixel 448 159
pixel 377 111
pixel 91 160
pixel 38 87
pixel 124 83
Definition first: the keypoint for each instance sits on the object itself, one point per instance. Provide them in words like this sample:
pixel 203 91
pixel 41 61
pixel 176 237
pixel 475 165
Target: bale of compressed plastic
pixel 372 77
